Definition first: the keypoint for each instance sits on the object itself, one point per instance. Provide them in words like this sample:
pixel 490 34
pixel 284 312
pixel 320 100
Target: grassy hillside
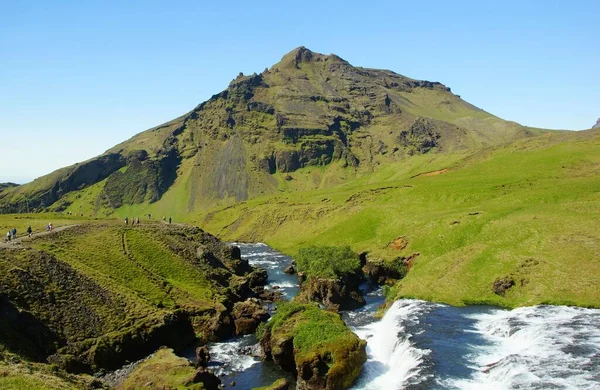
pixel 95 295
pixel 309 111
pixel 527 211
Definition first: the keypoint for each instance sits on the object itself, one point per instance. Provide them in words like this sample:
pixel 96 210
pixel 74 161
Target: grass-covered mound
pixel 95 295
pixel 330 275
pixel 164 370
pixel 327 261
pixel 527 211
pixel 314 344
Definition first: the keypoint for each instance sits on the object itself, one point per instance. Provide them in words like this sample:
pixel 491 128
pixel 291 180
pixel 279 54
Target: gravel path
pixel 24 237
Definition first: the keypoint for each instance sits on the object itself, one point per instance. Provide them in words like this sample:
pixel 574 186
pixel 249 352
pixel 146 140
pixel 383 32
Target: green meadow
pixel 528 211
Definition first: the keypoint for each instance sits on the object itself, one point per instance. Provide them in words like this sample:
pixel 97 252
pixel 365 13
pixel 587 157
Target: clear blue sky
pixel 77 77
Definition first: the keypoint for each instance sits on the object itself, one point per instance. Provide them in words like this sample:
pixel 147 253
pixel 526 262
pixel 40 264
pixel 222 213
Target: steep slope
pixel 308 110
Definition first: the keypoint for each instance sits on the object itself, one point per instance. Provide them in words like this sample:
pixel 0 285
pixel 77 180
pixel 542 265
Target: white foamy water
pixel 393 360
pixel 226 358
pixel 536 348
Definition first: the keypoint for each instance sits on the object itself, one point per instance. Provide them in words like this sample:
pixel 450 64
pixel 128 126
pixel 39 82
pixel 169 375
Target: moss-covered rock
pixel 313 344
pixel 330 275
pixel 165 370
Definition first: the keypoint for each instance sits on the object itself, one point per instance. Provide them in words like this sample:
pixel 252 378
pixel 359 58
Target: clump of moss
pixel 327 261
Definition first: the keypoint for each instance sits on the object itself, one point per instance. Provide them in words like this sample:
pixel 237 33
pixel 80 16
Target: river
pixel 423 345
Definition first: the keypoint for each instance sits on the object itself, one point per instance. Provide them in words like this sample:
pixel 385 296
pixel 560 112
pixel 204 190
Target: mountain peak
pixel 302 55
pixel 597 125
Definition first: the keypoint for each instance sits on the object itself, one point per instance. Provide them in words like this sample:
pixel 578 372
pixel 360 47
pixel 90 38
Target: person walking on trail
pixel 8 236
pixel 50 227
pixel 29 231
pixel 14 233
pixel 169 219
pixel 126 221
pixel 164 219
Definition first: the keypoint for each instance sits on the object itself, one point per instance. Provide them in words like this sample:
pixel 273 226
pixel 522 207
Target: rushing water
pixel 423 345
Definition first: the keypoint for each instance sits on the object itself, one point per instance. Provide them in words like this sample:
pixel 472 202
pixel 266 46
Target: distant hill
pixel 308 110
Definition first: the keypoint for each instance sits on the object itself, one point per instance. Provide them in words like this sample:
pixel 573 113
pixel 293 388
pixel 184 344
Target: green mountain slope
pixel 307 111
pixel 522 216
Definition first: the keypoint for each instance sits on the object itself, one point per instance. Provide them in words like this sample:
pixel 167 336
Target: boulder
pixel 290 269
pixel 248 315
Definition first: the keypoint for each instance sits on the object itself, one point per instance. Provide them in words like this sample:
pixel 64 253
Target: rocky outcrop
pixel 420 137
pixel 248 315
pixel 597 125
pixel 336 294
pixel 332 360
pixel 382 272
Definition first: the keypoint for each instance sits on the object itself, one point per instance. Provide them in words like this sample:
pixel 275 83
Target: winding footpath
pixel 24 238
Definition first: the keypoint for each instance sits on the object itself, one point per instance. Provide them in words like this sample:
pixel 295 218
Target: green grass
pixel 38 222
pixel 163 370
pixel 483 219
pixel 327 261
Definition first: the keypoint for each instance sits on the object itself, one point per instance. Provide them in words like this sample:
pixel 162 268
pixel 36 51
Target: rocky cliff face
pixel 307 110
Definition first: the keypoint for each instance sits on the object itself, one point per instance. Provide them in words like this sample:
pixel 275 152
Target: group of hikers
pixel 136 220
pixel 12 233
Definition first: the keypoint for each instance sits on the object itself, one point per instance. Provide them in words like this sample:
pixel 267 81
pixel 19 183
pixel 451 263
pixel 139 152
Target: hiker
pixel 164 219
pixel 14 233
pixel 8 236
pixel 126 221
pixel 29 230
pixel 50 227
pixel 137 220
pixel 169 219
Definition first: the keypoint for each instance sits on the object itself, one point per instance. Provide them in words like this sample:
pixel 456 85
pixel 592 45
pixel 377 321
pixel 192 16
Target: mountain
pixel 310 112
pixel 597 125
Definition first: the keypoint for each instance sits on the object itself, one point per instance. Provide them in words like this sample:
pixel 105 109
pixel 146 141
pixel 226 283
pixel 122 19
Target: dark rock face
pixel 248 315
pixel 282 352
pixel 144 179
pixel 202 356
pixel 381 272
pixel 420 137
pixel 290 270
pixel 287 161
pixel 501 285
pixel 597 125
pixel 336 294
